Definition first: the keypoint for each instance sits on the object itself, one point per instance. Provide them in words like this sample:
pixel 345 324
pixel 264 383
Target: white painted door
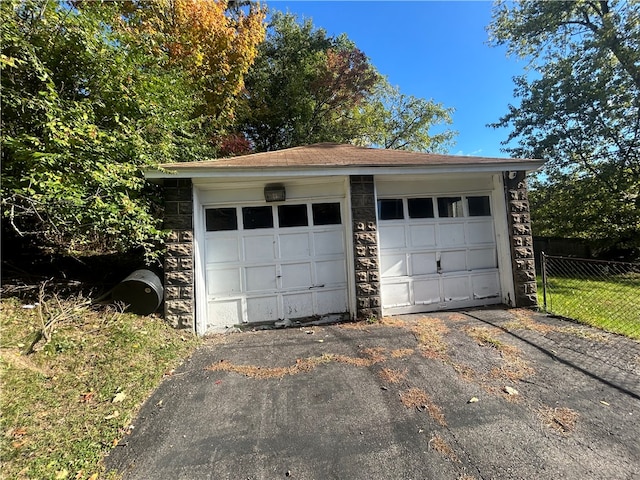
pixel 267 262
pixel 437 253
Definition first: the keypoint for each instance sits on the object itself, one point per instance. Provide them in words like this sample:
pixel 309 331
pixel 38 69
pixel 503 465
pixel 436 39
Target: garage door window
pixel 479 206
pixel 450 207
pixel 420 207
pixel 326 214
pixel 390 209
pixel 219 219
pixel 257 217
pixel 292 216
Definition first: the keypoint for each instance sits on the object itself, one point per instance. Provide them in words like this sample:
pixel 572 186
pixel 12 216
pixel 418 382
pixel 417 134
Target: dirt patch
pixel 440 445
pixel 561 419
pixel 253 371
pixel 429 333
pixel 391 375
pixel 419 399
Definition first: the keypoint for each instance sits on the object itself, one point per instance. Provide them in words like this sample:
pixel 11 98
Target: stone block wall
pixel 521 240
pixel 365 245
pixel 179 305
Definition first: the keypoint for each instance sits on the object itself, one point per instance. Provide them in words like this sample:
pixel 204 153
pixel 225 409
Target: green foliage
pixel 85 109
pixel 391 119
pixel 303 87
pixel 306 87
pixel 580 111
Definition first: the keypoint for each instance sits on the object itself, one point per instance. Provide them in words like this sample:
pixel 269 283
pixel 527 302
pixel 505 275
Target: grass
pixel 612 305
pixel 73 378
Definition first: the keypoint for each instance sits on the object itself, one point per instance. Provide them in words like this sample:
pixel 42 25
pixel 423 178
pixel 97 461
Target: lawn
pixel 612 305
pixel 73 378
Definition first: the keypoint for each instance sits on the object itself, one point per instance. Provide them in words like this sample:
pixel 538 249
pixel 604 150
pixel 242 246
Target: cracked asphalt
pixel 413 397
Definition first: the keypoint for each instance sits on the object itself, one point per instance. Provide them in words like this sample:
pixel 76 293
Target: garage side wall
pixel 179 309
pixel 365 246
pixel 521 240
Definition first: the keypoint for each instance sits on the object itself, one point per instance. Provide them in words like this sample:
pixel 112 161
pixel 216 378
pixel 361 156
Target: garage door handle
pixel 439 266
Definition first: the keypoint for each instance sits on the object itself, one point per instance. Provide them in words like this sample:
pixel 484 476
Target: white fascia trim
pixel 333 171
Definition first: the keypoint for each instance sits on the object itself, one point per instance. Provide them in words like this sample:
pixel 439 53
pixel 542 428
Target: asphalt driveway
pixel 479 394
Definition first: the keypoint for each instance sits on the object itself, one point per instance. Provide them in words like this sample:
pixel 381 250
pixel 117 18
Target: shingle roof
pixel 331 155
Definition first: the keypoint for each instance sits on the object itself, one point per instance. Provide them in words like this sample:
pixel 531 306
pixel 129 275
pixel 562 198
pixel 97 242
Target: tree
pixel 580 111
pixel 215 42
pixel 90 98
pixel 394 120
pixel 306 87
pixel 303 87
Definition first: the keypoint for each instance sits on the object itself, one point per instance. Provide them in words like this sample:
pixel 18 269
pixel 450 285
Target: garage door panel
pixel 263 309
pixel 331 301
pixel 426 291
pixel 392 237
pixel 422 235
pixel 480 232
pixel 396 294
pixel 294 245
pixel 329 242
pixel 222 248
pixel 482 258
pixel 227 312
pixel 455 289
pixel 451 234
pixel 393 265
pixel 259 248
pixel 485 286
pixel 223 281
pixel 331 272
pixel 298 305
pixel 454 261
pixel 261 278
pixel 423 263
pixel 296 275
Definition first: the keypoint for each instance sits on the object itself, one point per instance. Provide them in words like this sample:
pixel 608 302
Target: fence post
pixel 543 258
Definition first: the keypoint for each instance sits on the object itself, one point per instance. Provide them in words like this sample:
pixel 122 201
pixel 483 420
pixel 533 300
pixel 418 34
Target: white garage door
pixel 437 253
pixel 268 262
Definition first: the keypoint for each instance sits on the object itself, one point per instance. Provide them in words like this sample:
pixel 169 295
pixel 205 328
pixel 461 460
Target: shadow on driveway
pixel 485 393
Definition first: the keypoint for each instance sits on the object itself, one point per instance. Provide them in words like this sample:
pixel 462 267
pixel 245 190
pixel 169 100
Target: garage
pixel 328 232
pixel 275 261
pixel 437 245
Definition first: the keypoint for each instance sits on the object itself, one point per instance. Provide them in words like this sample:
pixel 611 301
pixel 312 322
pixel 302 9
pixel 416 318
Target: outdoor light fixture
pixel 275 192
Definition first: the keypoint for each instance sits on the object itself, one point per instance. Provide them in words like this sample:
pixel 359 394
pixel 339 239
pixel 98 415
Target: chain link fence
pixel 602 294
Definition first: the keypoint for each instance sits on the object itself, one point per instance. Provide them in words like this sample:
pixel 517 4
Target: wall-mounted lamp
pixel 275 192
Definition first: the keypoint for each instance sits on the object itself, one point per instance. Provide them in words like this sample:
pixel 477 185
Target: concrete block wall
pixel 365 246
pixel 521 240
pixel 179 304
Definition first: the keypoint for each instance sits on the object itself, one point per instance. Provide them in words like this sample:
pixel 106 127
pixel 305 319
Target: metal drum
pixel 141 291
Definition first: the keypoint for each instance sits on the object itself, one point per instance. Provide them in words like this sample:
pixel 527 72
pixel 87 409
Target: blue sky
pixel 432 50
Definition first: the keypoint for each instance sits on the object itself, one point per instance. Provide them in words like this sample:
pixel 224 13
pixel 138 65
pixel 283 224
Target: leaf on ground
pixel 119 397
pixel 87 397
pixel 510 390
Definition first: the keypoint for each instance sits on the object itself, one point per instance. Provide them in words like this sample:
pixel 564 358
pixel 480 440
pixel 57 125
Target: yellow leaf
pixel 119 397
pixel 62 474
